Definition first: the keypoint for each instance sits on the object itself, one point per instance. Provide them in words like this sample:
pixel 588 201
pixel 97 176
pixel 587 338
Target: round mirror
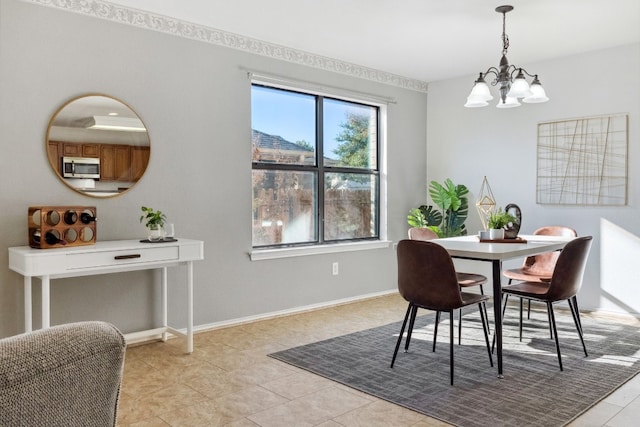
pixel 97 145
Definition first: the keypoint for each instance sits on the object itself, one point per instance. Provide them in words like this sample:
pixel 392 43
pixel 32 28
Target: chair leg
pixel 435 330
pixel 451 345
pixel 460 327
pixel 505 297
pixel 529 310
pixel 486 313
pixel 576 320
pixel 404 324
pixel 412 321
pixel 550 327
pixel 521 319
pixel 485 321
pixel 504 306
pixel 555 332
pixel 575 305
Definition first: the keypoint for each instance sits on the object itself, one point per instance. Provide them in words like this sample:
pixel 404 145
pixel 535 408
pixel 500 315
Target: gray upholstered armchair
pixel 67 375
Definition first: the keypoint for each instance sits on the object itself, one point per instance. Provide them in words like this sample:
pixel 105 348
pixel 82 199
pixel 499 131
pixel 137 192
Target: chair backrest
pixel 66 375
pixel 544 264
pixel 567 276
pixel 423 234
pixel 427 276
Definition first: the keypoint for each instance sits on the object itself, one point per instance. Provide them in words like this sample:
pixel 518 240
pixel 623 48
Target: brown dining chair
pixel 564 284
pixel 427 279
pixel 465 280
pixel 538 268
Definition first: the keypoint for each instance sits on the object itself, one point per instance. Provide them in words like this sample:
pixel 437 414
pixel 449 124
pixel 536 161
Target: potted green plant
pixel 154 221
pixel 451 199
pixel 497 221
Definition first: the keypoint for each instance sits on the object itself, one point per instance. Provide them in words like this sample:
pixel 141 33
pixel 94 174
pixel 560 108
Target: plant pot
pixel 154 232
pixel 496 233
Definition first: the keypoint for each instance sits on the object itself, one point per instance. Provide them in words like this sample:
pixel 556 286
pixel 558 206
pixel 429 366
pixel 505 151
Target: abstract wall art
pixel 583 161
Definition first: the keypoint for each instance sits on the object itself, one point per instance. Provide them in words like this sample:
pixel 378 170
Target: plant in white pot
pixel 497 221
pixel 154 221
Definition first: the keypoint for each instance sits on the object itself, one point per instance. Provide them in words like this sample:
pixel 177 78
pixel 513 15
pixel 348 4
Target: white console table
pixel 107 257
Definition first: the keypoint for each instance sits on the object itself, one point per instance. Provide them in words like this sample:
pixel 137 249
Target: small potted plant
pixel 497 221
pixel 154 221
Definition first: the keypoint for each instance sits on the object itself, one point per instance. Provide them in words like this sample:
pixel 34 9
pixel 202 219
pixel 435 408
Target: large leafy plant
pixel 453 206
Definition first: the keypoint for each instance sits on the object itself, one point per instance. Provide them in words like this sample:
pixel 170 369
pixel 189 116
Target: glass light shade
pixel 538 94
pixel 475 102
pixel 519 88
pixel 508 103
pixel 481 91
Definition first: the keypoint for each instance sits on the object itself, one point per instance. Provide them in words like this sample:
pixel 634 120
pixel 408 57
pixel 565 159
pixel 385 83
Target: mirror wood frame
pixel 100 126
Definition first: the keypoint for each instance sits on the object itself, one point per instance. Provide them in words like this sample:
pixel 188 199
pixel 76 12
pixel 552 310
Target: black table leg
pixel 496 265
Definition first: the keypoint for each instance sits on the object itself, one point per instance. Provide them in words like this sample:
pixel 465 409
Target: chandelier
pixel 510 88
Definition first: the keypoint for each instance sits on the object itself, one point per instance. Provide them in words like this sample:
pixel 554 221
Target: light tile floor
pixel 230 381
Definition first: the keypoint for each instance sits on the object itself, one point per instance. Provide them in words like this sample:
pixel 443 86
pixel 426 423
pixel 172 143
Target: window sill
pixel 263 254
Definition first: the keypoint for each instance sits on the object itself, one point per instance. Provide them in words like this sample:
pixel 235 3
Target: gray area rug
pixel 533 392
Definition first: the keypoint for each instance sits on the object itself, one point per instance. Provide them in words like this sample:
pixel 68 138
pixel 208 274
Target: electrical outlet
pixel 334 268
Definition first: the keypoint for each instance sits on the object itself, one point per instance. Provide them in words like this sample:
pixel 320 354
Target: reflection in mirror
pixel 98 145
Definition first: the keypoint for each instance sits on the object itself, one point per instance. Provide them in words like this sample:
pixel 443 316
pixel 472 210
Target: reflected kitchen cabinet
pixel 139 161
pixel 115 162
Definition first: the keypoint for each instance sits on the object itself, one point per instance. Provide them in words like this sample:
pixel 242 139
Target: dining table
pixel 495 252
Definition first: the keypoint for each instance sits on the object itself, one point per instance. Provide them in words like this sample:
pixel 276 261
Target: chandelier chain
pixel 505 38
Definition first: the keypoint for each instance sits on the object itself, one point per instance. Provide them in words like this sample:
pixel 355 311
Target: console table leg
pixel 165 320
pixel 28 315
pixel 190 307
pixel 45 302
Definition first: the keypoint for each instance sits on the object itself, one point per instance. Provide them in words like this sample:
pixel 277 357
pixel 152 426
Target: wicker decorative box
pixel 61 226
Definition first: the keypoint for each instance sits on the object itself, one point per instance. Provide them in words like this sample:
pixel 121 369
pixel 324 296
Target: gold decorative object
pixel 486 202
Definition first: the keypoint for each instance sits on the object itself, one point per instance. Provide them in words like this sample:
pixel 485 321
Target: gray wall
pixel 195 100
pixel 467 144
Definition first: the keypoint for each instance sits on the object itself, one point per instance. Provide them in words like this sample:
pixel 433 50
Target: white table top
pixel 471 247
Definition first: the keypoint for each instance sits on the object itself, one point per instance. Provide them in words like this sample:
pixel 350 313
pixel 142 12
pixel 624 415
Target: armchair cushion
pixel 67 375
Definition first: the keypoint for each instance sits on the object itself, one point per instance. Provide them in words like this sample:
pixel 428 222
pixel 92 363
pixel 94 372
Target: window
pixel 315 169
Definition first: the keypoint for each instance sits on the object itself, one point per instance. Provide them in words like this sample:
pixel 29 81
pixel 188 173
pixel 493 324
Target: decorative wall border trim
pixel 150 21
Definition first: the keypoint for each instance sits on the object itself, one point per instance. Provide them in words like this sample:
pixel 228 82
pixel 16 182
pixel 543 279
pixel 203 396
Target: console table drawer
pixel 120 257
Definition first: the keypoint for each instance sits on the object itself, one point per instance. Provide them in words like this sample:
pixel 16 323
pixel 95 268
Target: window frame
pixel 377 172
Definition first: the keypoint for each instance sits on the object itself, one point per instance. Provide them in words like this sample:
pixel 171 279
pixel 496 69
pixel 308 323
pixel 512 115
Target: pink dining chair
pixel 538 268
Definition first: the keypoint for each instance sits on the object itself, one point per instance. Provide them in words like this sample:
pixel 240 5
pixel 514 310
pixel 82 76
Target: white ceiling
pixel 428 40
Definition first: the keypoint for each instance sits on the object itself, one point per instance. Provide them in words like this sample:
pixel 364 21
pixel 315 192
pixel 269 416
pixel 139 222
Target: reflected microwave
pixel 81 167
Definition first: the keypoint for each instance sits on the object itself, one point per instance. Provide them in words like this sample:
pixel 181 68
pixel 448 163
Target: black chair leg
pixel 529 310
pixel 486 313
pixel 412 321
pixel 550 327
pixel 505 297
pixel 485 321
pixel 451 345
pixel 521 319
pixel 504 306
pixel 435 330
pixel 555 332
pixel 575 305
pixel 404 324
pixel 576 320
pixel 460 327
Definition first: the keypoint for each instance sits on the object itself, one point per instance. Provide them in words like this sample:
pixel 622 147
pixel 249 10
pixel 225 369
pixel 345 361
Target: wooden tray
pixel 516 240
pixel 165 240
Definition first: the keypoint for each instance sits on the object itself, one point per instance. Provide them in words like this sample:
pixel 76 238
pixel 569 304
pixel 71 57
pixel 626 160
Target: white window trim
pixel 258 254
pixel 276 253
